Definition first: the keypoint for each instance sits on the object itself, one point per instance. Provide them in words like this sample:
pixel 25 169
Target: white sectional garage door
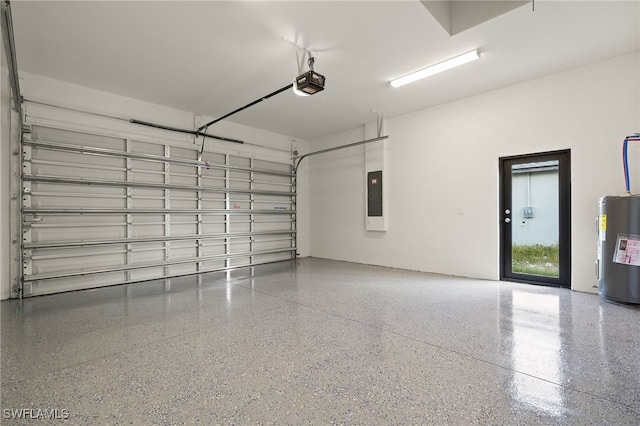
pixel 99 210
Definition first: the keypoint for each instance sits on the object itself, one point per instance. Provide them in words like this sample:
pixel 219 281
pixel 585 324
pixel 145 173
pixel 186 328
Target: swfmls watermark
pixel 35 414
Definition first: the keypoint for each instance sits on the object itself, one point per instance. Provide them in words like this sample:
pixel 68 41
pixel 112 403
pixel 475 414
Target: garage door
pixel 100 210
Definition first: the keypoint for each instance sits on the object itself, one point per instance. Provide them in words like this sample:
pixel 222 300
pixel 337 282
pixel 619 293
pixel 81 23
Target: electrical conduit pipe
pixel 625 160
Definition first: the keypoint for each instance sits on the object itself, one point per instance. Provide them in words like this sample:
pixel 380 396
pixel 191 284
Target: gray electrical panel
pixel 618 265
pixel 374 193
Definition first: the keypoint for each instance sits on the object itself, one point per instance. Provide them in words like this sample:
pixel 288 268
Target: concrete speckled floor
pixel 321 342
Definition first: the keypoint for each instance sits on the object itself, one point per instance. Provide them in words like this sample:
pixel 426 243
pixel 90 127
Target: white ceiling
pixel 211 57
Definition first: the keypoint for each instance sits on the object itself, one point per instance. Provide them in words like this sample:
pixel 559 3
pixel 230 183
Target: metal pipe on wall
pixel 322 151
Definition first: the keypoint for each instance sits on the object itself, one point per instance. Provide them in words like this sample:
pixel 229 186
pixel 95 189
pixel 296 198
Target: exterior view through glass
pixel 534 218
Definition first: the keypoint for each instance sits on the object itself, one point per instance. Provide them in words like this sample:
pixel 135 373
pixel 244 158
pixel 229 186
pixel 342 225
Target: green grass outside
pixel 536 260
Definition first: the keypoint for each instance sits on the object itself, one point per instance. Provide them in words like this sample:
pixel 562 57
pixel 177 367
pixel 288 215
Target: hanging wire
pixel 379 119
pixel 204 136
pixel 305 53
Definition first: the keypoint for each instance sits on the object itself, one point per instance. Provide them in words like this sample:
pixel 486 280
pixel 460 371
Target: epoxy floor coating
pixel 321 342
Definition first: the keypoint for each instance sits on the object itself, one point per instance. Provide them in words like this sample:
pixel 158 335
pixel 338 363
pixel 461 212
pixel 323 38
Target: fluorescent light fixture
pixel 435 69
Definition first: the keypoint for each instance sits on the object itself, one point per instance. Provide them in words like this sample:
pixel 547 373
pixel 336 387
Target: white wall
pixel 46 90
pixel 443 172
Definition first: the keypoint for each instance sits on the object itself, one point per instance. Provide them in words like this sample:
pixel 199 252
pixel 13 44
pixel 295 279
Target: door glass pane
pixel 535 218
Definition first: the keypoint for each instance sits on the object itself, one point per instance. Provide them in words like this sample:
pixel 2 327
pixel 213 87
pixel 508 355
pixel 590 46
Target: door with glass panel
pixel 535 218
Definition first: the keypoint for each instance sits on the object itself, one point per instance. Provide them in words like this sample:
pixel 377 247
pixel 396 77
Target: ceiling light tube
pixel 435 69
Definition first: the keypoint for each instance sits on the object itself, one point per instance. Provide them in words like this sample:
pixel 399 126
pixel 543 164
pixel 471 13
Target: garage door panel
pixel 78 138
pixel 140 147
pixel 213 265
pixel 273 257
pixel 183 253
pixel 237 203
pixel 213 228
pixel 82 171
pixel 56 160
pixel 54 190
pixel 180 199
pixel 148 253
pixel 263 223
pixel 102 210
pixel 272 166
pixel 243 226
pixel 271 244
pixel 142 166
pixel 186 269
pixel 183 170
pixel 240 245
pixel 69 284
pixel 80 221
pixel 151 273
pixel 238 161
pixel 75 233
pixel 148 202
pixel 190 181
pixel 183 153
pixel 147 176
pixel 182 229
pixel 214 248
pixel 71 197
pixel 82 262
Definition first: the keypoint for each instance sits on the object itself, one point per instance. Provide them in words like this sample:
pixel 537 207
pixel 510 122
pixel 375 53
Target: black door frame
pixel 564 206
